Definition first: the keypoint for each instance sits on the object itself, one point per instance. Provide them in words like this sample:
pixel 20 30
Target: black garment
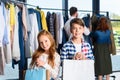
pixel 103 65
pixel 50 23
pixel 87 20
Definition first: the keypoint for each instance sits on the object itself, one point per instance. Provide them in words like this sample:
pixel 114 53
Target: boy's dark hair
pixel 73 10
pixel 76 21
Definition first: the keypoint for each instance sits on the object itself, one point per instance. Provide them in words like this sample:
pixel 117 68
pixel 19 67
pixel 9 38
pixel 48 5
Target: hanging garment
pixel 38 19
pixel 112 45
pixel 34 19
pixel 59 27
pixel 2 61
pixel 34 32
pixel 86 20
pixel 2 27
pixel 16 48
pixel 6 37
pixel 24 21
pixel 54 24
pixel 23 61
pixel 50 23
pixel 12 16
pixel 12 22
pixel 26 32
pixel 43 18
pixel 27 18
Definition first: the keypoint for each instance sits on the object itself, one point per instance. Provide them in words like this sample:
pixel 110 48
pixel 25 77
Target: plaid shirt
pixel 68 50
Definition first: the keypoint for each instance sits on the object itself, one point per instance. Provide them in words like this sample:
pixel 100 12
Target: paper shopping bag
pixel 35 74
pixel 78 70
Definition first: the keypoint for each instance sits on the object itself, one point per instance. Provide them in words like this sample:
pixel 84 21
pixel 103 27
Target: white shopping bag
pixel 78 70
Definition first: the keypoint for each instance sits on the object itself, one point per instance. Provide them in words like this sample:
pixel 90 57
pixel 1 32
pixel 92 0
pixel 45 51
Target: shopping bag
pixel 35 74
pixel 78 70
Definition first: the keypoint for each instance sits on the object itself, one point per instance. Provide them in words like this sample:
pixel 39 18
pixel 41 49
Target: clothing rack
pixel 20 2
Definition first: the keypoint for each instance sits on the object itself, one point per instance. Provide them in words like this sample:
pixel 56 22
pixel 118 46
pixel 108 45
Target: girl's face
pixel 44 42
pixel 77 31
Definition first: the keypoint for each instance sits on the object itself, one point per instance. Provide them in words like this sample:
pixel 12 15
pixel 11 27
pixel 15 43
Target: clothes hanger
pixel 38 8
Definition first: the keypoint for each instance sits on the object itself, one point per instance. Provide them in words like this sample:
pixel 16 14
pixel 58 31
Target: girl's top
pixel 53 71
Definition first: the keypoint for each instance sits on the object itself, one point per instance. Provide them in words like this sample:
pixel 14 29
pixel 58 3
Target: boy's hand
pixel 79 56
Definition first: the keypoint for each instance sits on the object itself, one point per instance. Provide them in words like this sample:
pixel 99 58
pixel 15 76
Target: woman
pixel 101 41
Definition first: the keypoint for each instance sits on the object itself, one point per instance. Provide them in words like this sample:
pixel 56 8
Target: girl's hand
pixel 39 62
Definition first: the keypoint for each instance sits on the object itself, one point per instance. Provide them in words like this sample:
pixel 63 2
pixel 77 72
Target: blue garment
pixel 39 20
pixel 23 61
pixel 5 37
pixel 101 36
pixel 64 40
pixel 31 11
pixel 51 79
pixel 86 20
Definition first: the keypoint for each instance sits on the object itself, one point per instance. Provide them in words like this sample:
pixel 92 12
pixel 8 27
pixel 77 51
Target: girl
pixel 46 55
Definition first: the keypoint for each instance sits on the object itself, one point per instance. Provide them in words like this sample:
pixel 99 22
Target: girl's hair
pixel 39 51
pixel 76 21
pixel 103 24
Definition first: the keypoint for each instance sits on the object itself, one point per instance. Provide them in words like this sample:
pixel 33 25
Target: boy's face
pixel 77 31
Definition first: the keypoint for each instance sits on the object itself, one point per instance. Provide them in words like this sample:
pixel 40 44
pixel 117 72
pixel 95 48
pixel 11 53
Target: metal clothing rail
pixel 46 8
pixel 20 2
